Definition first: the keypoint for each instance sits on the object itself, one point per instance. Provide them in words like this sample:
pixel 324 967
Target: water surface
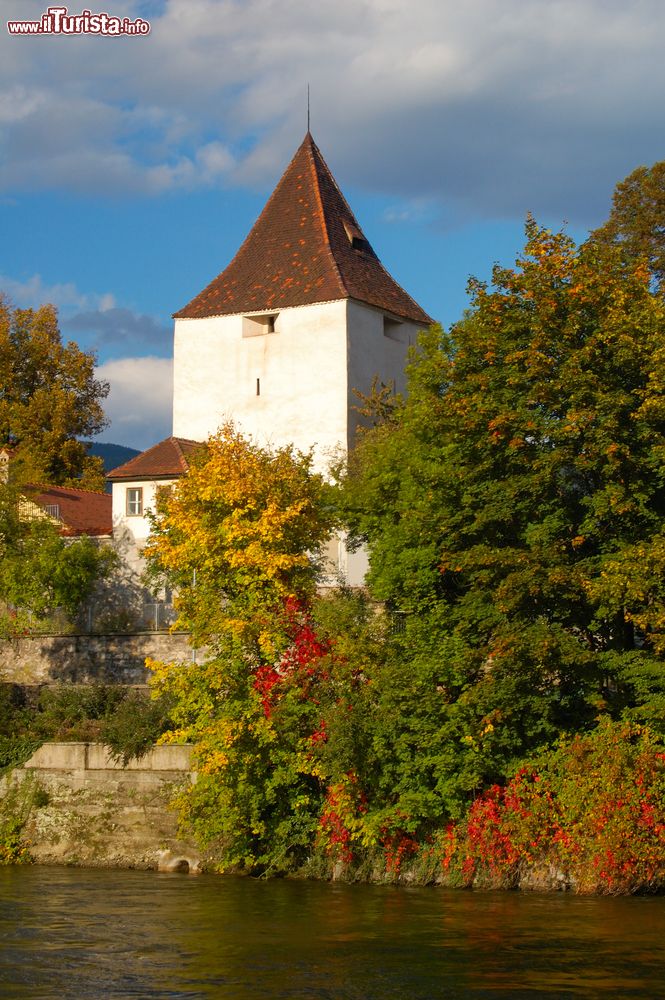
pixel 76 933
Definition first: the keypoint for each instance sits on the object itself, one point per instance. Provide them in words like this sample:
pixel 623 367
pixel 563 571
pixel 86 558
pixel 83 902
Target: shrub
pixel 135 726
pixel 589 814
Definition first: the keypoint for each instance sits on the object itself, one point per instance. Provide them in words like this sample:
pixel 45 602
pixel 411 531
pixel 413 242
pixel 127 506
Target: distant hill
pixel 111 454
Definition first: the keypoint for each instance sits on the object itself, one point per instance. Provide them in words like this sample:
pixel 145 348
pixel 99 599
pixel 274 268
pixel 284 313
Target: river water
pixel 91 934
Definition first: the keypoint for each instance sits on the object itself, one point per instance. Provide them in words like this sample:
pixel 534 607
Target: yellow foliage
pixel 239 536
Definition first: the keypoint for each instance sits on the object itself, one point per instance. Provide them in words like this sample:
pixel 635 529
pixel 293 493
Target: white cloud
pixel 33 292
pixel 93 319
pixel 494 105
pixel 412 210
pixel 140 402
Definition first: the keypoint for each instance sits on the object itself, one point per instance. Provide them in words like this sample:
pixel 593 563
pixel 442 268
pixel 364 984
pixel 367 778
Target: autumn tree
pixel 637 220
pixel 513 509
pixel 238 539
pixel 49 399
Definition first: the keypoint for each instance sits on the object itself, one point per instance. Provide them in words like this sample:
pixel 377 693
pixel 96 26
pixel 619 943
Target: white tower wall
pixel 291 386
pixel 283 387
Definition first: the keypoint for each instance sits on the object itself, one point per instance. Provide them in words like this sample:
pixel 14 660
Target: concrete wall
pixel 89 659
pixel 95 813
pixel 86 763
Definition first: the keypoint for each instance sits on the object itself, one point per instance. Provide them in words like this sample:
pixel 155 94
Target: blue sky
pixel 132 168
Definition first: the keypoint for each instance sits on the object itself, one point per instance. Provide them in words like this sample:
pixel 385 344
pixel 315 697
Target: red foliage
pixel 299 662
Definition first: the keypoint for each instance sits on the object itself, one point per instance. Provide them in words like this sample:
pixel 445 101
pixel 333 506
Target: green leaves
pixel 41 572
pixel 513 504
pixel 637 219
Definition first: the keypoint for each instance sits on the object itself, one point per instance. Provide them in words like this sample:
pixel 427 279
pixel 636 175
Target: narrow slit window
pixel 258 387
pixel 394 330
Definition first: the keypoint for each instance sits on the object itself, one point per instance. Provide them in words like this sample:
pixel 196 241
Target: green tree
pixel 238 539
pixel 637 220
pixel 513 508
pixel 49 399
pixel 40 572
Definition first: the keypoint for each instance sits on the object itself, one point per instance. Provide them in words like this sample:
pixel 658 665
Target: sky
pixel 131 168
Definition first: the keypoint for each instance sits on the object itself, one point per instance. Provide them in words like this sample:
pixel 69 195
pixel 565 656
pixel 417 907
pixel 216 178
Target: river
pixel 96 934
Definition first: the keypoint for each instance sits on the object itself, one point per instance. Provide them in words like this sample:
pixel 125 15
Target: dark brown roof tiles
pixel 305 247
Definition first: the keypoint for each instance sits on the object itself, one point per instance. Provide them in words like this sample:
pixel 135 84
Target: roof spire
pixel 306 247
pixel 307 109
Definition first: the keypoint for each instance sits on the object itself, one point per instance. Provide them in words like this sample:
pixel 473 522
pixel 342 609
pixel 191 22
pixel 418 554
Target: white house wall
pixel 306 370
pixel 132 530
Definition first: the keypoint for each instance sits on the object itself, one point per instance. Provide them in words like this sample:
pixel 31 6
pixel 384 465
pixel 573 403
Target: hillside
pixel 112 455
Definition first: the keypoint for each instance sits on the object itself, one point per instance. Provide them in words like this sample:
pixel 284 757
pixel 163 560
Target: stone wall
pixel 85 809
pixel 86 763
pixel 115 658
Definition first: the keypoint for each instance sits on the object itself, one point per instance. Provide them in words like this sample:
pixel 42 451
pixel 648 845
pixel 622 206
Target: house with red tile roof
pixel 136 484
pixel 303 318
pixel 76 512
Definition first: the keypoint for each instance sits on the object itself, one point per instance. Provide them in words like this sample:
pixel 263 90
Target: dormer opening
pixel 356 237
pixel 395 330
pixel 259 326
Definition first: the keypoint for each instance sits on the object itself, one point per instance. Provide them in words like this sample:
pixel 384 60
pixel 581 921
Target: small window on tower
pixel 258 326
pixel 394 330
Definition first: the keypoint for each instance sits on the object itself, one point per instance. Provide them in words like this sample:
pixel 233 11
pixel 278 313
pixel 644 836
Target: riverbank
pixel 74 803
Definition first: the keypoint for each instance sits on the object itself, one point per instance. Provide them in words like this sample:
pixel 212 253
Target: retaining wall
pixel 114 658
pixel 91 763
pixel 93 812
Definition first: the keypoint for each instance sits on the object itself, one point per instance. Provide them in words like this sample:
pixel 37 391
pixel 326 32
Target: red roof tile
pixel 82 512
pixel 166 460
pixel 305 247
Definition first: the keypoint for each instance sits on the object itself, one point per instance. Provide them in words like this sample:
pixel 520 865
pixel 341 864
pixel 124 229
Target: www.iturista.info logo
pixel 58 21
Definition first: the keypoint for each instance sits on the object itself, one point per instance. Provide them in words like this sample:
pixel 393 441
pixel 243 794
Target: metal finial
pixel 307 107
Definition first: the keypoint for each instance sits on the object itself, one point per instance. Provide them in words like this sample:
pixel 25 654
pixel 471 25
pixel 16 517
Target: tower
pixel 303 315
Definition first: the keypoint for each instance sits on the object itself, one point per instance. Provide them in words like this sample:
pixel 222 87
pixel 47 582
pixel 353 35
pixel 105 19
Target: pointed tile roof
pixel 166 460
pixel 305 247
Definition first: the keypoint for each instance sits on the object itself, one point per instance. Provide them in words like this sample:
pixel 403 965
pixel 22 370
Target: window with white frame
pixel 134 501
